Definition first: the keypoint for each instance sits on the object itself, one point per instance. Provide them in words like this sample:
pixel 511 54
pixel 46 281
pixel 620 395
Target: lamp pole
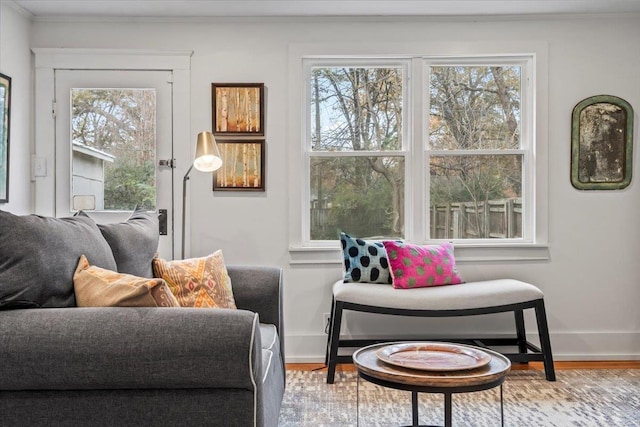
pixel 184 208
pixel 207 159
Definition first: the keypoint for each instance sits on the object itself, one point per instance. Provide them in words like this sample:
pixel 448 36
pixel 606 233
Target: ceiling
pixel 265 8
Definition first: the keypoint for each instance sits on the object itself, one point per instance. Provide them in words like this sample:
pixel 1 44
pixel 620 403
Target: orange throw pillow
pixel 98 287
pixel 197 282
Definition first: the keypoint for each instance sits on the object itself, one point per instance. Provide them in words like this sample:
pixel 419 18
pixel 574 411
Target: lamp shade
pixel 207 154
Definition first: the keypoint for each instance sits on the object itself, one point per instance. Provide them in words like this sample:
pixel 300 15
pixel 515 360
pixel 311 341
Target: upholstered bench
pixel 465 299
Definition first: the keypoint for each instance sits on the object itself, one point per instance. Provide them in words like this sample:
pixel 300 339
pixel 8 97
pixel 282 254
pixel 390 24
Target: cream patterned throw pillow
pixel 197 282
pixel 98 287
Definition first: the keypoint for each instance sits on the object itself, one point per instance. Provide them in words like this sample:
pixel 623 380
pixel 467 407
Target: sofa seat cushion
pixel 39 255
pixel 269 336
pixel 489 293
pixel 273 372
pixel 270 348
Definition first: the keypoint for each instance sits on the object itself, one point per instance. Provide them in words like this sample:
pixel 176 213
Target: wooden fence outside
pixel 493 219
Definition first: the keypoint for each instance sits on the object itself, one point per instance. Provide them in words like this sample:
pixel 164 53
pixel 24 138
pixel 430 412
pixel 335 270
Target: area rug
pixel 584 398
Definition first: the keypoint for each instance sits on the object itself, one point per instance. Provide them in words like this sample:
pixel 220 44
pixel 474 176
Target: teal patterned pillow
pixel 364 261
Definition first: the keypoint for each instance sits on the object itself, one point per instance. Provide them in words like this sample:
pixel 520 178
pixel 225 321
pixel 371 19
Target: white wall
pixel 592 280
pixel 15 62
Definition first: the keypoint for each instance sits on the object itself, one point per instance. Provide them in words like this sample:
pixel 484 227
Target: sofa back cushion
pixel 134 243
pixel 38 256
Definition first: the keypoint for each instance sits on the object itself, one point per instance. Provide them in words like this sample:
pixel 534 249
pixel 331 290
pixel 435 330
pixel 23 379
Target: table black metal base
pixel 447 410
pixel 448 393
pixel 414 411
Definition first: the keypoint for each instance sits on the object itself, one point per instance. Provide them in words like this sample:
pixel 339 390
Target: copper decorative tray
pixel 433 356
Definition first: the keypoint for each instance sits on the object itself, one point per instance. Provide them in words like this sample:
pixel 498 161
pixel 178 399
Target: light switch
pixel 38 167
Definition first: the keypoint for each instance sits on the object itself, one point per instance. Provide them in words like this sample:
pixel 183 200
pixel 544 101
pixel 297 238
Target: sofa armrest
pixel 121 348
pixel 259 289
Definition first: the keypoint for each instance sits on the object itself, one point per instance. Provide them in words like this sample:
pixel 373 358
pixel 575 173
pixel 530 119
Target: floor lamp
pixel 207 159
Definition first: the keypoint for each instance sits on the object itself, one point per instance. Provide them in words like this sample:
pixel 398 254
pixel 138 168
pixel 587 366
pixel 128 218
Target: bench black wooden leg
pixel 545 342
pixel 326 356
pixel 334 340
pixel 521 332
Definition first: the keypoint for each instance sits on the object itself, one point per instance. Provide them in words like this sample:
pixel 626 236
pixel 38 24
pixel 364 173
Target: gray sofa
pixel 63 365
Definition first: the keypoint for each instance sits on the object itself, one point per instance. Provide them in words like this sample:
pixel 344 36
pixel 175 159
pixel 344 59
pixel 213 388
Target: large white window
pixel 479 149
pixel 419 148
pixel 356 154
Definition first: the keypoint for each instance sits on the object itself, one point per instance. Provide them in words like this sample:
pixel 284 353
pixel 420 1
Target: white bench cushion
pixel 489 293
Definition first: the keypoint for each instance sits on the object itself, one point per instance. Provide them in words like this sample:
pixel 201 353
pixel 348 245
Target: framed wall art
pixel 5 117
pixel 601 143
pixel 238 109
pixel 242 166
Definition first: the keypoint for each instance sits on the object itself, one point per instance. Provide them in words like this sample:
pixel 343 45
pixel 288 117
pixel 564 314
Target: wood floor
pixel 613 364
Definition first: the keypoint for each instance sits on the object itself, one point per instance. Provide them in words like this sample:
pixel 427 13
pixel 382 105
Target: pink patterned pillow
pixel 414 266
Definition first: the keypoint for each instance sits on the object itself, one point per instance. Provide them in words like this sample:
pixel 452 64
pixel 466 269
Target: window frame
pixel 534 248
pixel 308 152
pixel 527 142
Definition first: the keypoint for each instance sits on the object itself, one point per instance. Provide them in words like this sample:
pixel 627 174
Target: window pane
pixel 356 109
pixel 362 196
pixel 476 197
pixel 113 140
pixel 474 107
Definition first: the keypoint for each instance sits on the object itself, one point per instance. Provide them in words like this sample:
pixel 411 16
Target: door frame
pixel 49 59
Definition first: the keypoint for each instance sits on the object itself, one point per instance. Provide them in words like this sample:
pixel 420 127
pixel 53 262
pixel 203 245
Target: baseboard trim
pixel 566 346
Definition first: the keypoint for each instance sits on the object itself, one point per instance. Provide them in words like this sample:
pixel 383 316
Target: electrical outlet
pixel 326 319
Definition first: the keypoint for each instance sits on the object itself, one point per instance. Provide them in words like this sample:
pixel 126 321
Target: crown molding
pixel 21 10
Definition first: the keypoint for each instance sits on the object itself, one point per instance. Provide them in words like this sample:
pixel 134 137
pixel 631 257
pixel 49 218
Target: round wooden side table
pixel 448 382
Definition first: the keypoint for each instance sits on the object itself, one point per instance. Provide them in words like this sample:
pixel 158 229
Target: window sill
pixel 314 255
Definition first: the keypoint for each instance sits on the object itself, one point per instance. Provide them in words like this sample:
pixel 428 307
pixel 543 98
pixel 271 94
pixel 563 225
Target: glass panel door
pixel 111 129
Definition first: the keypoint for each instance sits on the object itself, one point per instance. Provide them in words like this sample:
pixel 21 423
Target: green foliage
pixel 475 179
pixel 130 184
pixel 360 200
